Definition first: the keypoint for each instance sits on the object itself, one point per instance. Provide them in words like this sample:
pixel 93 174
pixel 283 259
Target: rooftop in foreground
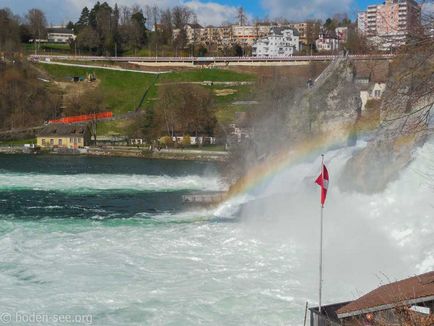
pixel 410 291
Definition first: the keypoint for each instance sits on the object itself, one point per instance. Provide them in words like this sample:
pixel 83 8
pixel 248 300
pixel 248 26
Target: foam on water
pixel 190 267
pixel 96 182
pixel 369 238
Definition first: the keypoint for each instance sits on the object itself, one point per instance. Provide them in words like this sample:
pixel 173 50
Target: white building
pixel 374 92
pixel 327 42
pixel 60 35
pixel 282 42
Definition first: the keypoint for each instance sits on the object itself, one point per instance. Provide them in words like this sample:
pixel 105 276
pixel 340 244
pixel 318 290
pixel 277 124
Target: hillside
pixel 122 91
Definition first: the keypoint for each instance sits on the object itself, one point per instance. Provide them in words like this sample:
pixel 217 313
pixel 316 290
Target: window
pixel 51 141
pixel 60 141
pixel 43 141
pixel 70 140
pixel 377 93
pixel 79 140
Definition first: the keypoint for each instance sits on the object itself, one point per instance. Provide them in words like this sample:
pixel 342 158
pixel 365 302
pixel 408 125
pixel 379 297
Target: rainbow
pixel 299 153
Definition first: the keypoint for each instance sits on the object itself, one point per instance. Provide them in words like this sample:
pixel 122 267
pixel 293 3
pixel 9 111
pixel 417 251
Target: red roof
pixel 411 290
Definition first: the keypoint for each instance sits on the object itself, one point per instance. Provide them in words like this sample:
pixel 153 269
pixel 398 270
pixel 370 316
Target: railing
pixel 42 57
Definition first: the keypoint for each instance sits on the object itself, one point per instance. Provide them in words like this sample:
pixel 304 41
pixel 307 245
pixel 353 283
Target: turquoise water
pixel 110 238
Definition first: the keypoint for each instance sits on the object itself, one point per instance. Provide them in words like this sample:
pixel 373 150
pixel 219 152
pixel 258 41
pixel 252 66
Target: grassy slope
pixel 18 142
pixel 124 90
pixel 47 48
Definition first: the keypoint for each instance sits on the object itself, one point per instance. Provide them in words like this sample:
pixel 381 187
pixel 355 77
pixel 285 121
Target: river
pixel 110 238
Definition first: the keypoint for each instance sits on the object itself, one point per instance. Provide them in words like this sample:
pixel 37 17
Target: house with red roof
pixel 406 302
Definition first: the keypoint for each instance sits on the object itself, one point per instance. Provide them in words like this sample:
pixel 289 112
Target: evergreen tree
pixel 83 21
pixel 139 36
pixel 93 13
pixel 70 25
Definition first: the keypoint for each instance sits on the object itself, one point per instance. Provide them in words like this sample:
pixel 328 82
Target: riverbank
pixel 164 154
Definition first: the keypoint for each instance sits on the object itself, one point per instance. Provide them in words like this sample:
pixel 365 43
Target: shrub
pixel 186 140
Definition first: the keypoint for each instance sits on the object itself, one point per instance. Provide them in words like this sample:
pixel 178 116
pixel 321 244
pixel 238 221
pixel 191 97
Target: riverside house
pixel 406 302
pixel 60 135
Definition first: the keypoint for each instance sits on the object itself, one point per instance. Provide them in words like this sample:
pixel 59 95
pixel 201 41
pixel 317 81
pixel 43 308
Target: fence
pixel 83 118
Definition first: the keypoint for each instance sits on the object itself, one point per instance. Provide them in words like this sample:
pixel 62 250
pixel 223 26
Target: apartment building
pixel 362 22
pixel 282 42
pixel 308 31
pixel 390 24
pixel 246 35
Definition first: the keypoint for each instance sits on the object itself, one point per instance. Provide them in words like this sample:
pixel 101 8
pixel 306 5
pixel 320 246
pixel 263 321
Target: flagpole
pixel 320 243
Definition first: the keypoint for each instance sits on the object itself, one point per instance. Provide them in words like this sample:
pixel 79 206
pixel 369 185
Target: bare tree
pixel 152 16
pixel 9 31
pixel 409 102
pixel 181 16
pixel 166 25
pixel 88 39
pixel 187 108
pixel 37 24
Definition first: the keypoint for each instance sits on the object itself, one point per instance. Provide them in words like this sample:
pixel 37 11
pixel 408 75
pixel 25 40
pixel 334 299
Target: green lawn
pixel 50 48
pixel 18 142
pixel 226 114
pixel 207 74
pixel 124 90
pixel 116 127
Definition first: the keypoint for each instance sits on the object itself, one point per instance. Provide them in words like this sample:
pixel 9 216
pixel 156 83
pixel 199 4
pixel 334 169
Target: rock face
pixel 332 108
pixel 332 105
pixel 402 128
pixel 371 169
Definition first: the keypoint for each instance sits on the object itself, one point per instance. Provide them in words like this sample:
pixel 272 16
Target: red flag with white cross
pixel 323 182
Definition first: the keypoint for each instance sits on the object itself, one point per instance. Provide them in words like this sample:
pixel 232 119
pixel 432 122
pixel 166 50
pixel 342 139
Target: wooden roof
pixel 412 290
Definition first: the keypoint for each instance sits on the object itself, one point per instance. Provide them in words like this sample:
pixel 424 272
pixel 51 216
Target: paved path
pixel 204 60
pixel 102 67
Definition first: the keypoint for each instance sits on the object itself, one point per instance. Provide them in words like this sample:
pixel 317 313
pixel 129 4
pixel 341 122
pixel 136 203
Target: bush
pixel 166 140
pixel 186 140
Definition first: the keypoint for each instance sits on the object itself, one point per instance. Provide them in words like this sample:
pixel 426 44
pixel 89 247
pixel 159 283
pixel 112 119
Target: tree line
pixel 181 110
pixel 25 100
pixel 115 30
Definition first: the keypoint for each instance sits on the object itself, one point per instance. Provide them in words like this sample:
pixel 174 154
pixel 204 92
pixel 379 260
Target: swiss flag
pixel 323 182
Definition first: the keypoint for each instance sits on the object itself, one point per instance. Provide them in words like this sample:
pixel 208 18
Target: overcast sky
pixel 210 12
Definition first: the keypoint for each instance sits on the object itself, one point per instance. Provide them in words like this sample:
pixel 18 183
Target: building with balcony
pixel 391 24
pixel 282 42
pixel 60 35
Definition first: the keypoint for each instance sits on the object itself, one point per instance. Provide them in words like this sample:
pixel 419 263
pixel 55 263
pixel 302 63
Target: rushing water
pixel 110 238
